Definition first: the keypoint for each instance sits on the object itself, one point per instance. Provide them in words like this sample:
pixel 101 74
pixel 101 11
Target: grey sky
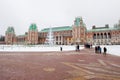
pixel 46 13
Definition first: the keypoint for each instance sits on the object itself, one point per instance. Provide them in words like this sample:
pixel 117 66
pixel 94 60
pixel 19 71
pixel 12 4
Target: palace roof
pixel 10 30
pixel 63 28
pixel 100 29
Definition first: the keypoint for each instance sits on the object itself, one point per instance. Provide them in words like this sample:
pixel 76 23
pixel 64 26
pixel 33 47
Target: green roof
pixel 63 28
pixel 33 27
pixel 10 30
pixel 100 29
pixel 79 22
pixel 22 35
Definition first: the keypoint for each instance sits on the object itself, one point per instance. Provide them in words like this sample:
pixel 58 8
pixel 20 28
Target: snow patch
pixel 36 48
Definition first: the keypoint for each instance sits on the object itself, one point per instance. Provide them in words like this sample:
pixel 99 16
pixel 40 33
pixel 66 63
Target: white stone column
pixel 61 39
pixel 100 37
pixel 55 40
pixel 103 35
pixel 107 36
pixel 96 38
pixel 58 39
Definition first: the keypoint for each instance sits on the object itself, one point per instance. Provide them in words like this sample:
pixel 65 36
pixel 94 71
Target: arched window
pixel 98 36
pixel 101 35
pixel 105 35
pixel 94 36
pixel 109 35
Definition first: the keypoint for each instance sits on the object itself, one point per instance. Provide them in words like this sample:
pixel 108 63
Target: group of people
pixel 98 50
pixel 87 45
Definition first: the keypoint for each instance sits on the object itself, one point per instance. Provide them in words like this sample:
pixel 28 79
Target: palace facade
pixel 66 35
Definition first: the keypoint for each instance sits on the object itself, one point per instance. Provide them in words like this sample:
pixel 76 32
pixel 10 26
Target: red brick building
pixel 75 34
pixel 10 36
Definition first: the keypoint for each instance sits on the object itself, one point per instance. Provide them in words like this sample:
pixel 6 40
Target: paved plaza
pixel 66 65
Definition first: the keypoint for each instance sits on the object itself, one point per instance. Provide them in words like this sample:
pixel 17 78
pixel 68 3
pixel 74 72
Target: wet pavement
pixel 66 65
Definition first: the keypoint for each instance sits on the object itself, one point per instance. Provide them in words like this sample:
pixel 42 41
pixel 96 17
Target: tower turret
pixel 79 31
pixel 33 34
pixel 10 35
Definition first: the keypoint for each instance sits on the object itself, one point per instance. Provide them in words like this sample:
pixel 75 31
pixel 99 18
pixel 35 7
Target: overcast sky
pixel 45 13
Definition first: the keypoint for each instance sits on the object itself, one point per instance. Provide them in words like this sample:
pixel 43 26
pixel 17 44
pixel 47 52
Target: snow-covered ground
pixel 36 48
pixel 112 49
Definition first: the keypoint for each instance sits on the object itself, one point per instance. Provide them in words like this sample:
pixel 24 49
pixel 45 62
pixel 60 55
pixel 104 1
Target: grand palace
pixel 66 35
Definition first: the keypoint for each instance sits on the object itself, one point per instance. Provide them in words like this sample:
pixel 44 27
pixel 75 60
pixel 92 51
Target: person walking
pixel 60 48
pixel 96 49
pixel 105 50
pixel 90 45
pixel 78 47
pixel 100 49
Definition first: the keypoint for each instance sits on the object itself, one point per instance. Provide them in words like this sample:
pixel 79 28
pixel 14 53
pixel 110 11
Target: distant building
pixel 10 36
pixel 104 35
pixel 79 31
pixel 65 35
pixel 32 36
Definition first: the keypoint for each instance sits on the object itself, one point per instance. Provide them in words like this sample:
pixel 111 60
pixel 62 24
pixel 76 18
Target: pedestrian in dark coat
pixel 60 48
pixel 95 49
pixel 105 50
pixel 78 47
pixel 100 50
